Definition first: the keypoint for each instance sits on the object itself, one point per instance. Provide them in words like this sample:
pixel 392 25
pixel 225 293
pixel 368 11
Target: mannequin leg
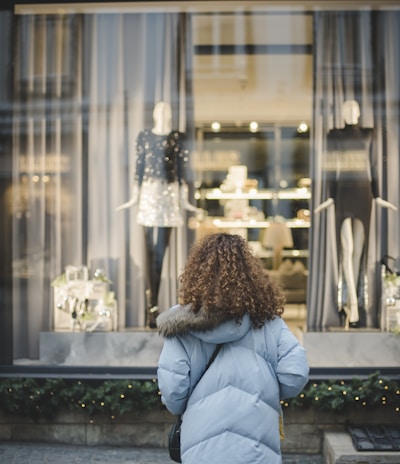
pixel 359 243
pixel 347 244
pixel 157 240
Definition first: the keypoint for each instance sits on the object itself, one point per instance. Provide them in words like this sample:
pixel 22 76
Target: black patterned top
pixel 163 157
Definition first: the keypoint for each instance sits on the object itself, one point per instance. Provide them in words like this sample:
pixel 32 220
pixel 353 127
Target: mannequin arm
pixel 385 204
pixel 324 205
pixel 133 200
pixel 184 192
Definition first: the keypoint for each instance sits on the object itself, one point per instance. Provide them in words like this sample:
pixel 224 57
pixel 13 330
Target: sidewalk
pixel 41 453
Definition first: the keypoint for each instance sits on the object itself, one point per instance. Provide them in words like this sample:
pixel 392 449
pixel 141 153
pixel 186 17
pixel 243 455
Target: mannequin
pixel 160 193
pixel 351 188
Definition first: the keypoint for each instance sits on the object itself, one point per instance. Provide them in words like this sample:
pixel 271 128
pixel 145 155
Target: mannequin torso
pixel 348 172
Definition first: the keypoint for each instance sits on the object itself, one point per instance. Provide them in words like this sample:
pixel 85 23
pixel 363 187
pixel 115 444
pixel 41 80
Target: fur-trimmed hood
pixel 209 327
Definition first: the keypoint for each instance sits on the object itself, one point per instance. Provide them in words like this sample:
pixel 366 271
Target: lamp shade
pixel 278 235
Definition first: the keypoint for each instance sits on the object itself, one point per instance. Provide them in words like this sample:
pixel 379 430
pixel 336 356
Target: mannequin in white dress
pixel 160 193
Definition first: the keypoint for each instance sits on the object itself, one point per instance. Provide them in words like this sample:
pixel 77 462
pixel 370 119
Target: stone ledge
pixel 131 429
pixel 132 349
pixel 307 432
pixel 338 449
pixel 352 349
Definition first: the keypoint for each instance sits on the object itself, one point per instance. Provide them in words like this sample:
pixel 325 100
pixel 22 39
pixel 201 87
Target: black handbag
pixel 174 441
pixel 174 436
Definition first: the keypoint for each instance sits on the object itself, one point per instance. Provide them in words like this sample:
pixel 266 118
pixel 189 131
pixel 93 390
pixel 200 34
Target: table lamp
pixel 277 236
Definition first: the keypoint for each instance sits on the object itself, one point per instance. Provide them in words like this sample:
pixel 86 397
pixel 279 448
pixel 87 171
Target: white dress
pixel 159 172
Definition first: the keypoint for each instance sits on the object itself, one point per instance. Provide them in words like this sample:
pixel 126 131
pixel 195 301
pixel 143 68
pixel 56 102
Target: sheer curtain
pixel 85 85
pixel 47 159
pixel 349 48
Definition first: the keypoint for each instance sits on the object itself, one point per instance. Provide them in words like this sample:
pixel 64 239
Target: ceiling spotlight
pixel 216 126
pixel 303 127
pixel 253 126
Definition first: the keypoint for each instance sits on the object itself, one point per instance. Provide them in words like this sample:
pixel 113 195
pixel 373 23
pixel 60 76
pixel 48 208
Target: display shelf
pixel 224 223
pixel 254 194
pixel 240 217
pixel 266 253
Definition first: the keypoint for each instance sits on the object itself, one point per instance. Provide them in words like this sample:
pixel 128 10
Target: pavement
pixel 42 453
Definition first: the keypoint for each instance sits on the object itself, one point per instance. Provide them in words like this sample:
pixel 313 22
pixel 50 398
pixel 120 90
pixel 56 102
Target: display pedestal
pixel 352 348
pixel 138 348
pixel 142 348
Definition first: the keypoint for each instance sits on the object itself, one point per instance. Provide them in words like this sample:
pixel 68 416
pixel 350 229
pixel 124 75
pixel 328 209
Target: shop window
pixel 254 90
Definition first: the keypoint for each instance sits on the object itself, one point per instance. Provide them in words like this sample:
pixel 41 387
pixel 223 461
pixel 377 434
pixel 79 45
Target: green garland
pixel 45 398
pixel 340 395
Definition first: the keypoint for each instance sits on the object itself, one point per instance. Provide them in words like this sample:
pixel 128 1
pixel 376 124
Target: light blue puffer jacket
pixel 232 415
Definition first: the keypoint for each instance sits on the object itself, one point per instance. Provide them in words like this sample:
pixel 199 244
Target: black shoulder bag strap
pixel 211 360
pixel 174 437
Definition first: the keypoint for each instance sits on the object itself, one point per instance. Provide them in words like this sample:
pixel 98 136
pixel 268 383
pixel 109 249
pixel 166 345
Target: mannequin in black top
pixel 351 187
pixel 161 193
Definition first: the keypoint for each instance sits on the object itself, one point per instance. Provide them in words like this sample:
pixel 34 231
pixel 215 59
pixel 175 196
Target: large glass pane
pixel 254 91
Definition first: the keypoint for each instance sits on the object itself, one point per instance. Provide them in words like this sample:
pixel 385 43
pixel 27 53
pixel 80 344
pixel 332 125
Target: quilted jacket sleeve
pixel 292 368
pixel 173 375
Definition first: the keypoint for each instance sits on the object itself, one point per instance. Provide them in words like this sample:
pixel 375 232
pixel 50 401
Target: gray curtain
pixel 85 85
pixel 356 57
pixel 45 198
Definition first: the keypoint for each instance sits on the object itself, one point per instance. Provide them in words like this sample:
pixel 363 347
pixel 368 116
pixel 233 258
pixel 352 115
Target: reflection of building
pixel 65 151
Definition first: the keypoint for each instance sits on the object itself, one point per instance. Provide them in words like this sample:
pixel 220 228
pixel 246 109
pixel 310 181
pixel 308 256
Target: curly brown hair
pixel 222 274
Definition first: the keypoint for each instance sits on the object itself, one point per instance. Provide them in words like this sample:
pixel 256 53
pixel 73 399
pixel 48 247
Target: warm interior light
pixel 253 126
pixel 303 127
pixel 216 126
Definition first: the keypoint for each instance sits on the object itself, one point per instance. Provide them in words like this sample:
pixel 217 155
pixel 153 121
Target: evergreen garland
pixel 45 398
pixel 340 395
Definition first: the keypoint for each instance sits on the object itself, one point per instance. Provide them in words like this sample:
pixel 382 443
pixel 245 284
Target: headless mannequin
pixel 161 193
pixel 351 188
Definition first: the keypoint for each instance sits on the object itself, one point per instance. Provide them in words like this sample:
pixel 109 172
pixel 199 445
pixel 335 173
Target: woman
pixel 232 414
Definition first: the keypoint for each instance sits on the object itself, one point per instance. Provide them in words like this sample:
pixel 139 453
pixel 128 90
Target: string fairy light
pixel 111 398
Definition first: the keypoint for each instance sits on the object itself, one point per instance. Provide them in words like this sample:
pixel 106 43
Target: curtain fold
pixel 388 26
pixel 348 49
pixel 46 182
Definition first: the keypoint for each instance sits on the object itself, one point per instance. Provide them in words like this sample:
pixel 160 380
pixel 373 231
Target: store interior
pixel 261 136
